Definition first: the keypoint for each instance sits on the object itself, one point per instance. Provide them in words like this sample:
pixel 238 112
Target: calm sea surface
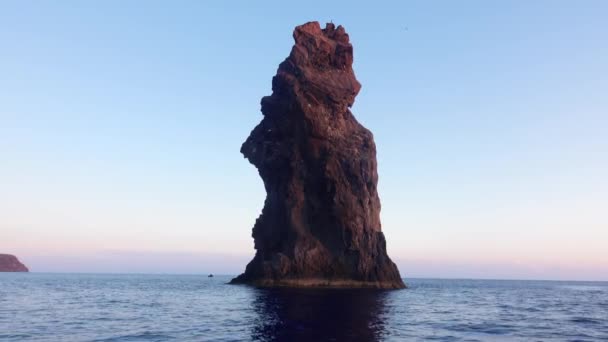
pixel 83 307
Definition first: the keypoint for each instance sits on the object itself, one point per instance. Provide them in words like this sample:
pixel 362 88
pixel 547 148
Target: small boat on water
pixel 210 276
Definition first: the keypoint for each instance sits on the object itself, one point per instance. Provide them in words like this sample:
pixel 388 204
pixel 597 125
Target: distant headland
pixel 10 263
pixel 320 225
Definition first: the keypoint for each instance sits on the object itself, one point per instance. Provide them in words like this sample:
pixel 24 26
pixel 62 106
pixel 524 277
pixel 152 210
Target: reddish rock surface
pixel 320 225
pixel 10 263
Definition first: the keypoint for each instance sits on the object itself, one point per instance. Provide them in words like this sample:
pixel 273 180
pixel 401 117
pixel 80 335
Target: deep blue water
pixel 83 307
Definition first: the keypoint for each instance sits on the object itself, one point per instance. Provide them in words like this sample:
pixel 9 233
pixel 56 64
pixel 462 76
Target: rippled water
pixel 78 307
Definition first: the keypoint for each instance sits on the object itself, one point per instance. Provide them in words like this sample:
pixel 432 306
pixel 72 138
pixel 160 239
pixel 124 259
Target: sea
pixel 109 307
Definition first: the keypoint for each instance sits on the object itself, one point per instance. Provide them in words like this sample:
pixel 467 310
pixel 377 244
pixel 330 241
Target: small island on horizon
pixel 320 225
pixel 10 263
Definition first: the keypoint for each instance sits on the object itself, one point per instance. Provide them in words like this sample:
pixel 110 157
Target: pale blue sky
pixel 122 123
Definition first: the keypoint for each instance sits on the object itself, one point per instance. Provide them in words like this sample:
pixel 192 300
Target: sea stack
pixel 10 263
pixel 320 225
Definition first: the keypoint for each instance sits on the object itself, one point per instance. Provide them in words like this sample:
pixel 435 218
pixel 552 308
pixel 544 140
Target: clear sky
pixel 121 123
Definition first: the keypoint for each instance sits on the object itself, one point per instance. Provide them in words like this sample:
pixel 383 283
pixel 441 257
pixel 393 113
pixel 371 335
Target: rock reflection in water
pixel 318 314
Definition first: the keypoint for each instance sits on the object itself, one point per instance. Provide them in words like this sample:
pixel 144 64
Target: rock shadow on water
pixel 296 314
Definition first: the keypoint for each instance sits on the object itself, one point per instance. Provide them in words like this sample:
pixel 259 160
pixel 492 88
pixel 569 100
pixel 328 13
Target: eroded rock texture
pixel 10 263
pixel 320 225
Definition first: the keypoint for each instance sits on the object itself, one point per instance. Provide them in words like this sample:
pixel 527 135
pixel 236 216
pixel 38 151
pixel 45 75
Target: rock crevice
pixel 320 225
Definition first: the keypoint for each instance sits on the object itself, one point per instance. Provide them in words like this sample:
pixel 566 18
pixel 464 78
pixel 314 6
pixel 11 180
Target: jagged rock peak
pixel 320 225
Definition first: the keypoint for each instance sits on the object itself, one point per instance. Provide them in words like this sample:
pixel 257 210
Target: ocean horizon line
pixel 235 274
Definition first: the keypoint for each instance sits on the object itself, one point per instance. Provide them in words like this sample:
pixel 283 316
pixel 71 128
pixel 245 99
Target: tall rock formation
pixel 10 263
pixel 320 225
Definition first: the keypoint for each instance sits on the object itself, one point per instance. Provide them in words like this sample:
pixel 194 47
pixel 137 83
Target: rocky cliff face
pixel 10 263
pixel 320 224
